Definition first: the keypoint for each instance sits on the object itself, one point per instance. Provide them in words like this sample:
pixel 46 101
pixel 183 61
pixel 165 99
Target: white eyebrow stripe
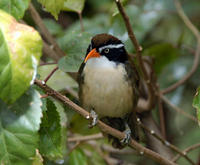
pixel 111 46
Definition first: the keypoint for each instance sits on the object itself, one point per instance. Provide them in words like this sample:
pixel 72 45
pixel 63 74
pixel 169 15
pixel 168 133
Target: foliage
pixel 20 52
pixel 52 134
pixel 74 5
pixel 34 129
pixel 19 125
pixel 14 7
pixel 53 6
pixel 196 103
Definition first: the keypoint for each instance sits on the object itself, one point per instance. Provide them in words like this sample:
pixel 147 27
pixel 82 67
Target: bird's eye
pixel 106 50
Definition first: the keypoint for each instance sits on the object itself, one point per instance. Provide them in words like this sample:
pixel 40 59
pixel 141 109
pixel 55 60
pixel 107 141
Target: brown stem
pixel 178 109
pixel 195 146
pixel 171 146
pixel 47 63
pixel 138 49
pixel 85 138
pixel 162 117
pixel 38 20
pixel 78 143
pixel 153 143
pixel 68 90
pixel 81 21
pixel 195 65
pixel 49 52
pixel 104 128
pixel 50 74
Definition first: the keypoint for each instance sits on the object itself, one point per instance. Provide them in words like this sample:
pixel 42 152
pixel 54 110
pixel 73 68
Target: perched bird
pixel 108 85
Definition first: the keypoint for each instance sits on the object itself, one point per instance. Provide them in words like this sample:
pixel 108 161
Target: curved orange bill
pixel 93 53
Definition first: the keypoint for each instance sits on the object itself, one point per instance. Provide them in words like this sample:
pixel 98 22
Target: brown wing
pixel 80 79
pixel 133 78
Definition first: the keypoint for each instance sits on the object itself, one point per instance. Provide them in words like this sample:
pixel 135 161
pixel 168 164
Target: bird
pixel 108 86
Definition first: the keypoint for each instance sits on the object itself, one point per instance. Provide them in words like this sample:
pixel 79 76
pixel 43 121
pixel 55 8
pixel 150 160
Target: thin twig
pixel 105 156
pixel 125 151
pixel 185 19
pixel 51 74
pixel 49 52
pixel 78 143
pixel 38 20
pixel 138 49
pixel 72 92
pixel 47 63
pixel 178 109
pixel 195 65
pixel 162 117
pixel 195 146
pixel 171 146
pixel 81 21
pixel 85 138
pixel 104 128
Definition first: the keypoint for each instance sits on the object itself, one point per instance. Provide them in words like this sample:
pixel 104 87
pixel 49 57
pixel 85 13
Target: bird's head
pixel 106 45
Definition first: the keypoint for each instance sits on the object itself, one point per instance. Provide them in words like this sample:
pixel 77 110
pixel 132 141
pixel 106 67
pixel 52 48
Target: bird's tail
pixel 120 124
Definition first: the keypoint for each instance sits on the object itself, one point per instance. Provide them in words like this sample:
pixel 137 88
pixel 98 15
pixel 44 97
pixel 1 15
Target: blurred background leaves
pixel 163 36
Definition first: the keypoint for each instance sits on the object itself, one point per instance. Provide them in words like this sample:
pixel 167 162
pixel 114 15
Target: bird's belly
pixel 107 92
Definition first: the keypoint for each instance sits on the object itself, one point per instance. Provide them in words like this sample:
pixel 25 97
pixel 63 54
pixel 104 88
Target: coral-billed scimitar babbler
pixel 108 85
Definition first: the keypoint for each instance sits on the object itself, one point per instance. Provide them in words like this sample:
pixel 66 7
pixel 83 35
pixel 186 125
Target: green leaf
pixel 74 5
pixel 75 46
pixel 196 103
pixel 54 28
pixel 20 51
pixel 56 82
pixel 142 23
pixel 76 121
pixel 37 160
pixel 53 6
pixel 98 24
pixel 52 134
pixel 160 52
pixel 19 125
pixel 96 158
pixel 15 7
pixel 174 71
pixel 77 157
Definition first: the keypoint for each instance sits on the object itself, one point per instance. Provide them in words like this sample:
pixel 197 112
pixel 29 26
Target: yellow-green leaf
pixel 74 5
pixel 20 51
pixel 53 6
pixel 16 8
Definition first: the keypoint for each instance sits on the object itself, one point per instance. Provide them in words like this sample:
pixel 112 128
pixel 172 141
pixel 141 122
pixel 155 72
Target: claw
pixel 127 136
pixel 94 117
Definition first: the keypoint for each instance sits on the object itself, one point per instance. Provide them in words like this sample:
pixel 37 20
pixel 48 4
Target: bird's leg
pixel 127 136
pixel 94 117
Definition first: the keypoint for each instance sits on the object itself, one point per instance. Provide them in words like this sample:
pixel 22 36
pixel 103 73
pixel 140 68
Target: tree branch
pixel 38 21
pixel 178 109
pixel 51 74
pixel 49 52
pixel 195 146
pixel 85 138
pixel 138 49
pixel 104 128
pixel 166 143
pixel 162 117
pixel 195 65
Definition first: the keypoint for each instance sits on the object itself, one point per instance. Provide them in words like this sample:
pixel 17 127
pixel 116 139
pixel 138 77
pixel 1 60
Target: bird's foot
pixel 94 117
pixel 127 136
